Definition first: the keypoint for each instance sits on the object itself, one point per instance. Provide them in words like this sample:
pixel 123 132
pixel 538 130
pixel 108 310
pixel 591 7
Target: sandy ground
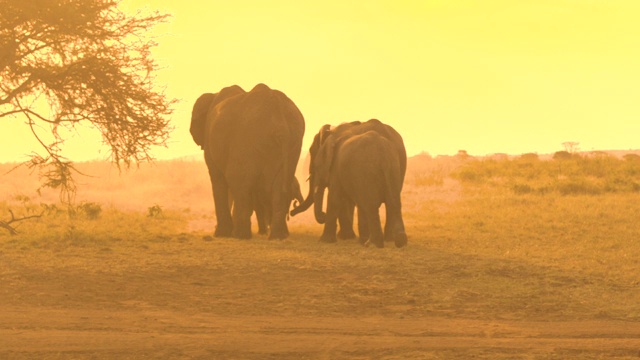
pixel 143 331
pixel 167 301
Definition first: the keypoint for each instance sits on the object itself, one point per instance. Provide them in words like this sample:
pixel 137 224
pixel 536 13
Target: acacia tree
pixel 89 64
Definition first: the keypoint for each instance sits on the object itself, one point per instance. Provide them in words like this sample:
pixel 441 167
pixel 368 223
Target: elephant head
pixel 318 140
pixel 201 108
pixel 322 174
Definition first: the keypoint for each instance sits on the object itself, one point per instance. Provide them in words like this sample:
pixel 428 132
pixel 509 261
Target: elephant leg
pixel 346 221
pixel 363 227
pixel 224 226
pixel 262 217
pixel 396 227
pixel 262 222
pixel 330 224
pixel 279 228
pixel 388 226
pixel 372 217
pixel 242 209
pixel 279 210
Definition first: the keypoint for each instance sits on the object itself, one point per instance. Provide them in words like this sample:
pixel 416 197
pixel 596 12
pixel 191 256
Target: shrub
pixel 529 157
pixel 90 210
pixel 154 211
pixel 578 187
pixel 562 155
pixel 568 174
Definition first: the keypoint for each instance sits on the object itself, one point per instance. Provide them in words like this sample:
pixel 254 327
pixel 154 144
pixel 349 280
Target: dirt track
pixel 193 299
pixel 147 332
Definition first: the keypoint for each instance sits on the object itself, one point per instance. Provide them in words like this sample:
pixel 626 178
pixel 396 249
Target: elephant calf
pixel 365 170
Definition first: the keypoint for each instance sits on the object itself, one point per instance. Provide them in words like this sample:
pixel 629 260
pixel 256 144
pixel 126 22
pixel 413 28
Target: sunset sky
pixel 490 76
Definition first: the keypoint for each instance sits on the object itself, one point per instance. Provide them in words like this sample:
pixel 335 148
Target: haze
pixel 483 76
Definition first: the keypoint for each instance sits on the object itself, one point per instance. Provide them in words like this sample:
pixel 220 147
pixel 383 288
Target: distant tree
pixel 65 63
pixel 529 157
pixel 599 154
pixel 424 154
pixel 462 155
pixel 562 155
pixel 571 147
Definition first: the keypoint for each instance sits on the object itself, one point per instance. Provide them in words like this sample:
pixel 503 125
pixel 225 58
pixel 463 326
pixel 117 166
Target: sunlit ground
pixel 495 266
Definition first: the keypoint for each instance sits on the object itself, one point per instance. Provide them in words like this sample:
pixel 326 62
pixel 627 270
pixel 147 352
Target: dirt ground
pixel 186 298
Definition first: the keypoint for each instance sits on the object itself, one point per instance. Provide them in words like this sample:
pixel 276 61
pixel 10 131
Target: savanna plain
pixel 508 258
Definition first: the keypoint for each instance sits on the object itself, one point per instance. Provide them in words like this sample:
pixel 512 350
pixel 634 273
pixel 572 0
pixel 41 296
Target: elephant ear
pixel 318 139
pixel 325 159
pixel 199 117
pixel 325 131
pixel 201 110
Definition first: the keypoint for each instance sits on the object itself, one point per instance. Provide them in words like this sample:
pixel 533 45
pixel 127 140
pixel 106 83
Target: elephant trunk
pixel 318 199
pixel 306 203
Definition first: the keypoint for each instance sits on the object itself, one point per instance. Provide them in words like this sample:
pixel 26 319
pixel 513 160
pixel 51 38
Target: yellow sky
pixel 485 76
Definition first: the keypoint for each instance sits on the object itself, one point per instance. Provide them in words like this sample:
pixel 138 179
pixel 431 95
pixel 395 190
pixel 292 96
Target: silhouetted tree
pixel 462 155
pixel 562 155
pixel 572 147
pixel 529 157
pixel 81 62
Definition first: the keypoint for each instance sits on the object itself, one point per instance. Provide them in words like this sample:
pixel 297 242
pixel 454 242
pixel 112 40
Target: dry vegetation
pixel 519 258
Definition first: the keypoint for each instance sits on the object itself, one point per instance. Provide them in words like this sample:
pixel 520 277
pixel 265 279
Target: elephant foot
pixel 346 234
pixel 244 235
pixel 328 238
pixel 263 231
pixel 400 240
pixel 279 233
pixel 278 236
pixel 223 232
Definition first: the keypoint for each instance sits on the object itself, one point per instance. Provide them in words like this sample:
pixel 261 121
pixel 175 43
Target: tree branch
pixel 15 92
pixel 26 112
pixel 7 224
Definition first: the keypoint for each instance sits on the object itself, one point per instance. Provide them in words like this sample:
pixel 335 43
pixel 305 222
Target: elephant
pixel 366 170
pixel 262 210
pixel 340 134
pixel 252 142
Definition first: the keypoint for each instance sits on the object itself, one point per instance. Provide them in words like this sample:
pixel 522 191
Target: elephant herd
pixel 252 143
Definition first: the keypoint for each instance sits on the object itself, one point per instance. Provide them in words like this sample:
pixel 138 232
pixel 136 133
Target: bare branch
pixel 7 224
pixel 17 91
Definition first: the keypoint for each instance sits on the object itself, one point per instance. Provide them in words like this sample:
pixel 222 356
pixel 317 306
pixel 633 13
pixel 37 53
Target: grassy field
pixel 503 262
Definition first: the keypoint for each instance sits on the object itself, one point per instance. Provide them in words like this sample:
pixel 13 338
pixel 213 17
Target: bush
pixel 567 174
pixel 562 155
pixel 90 210
pixel 154 211
pixel 578 187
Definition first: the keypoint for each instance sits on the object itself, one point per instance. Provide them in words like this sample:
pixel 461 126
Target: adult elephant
pixel 340 134
pixel 366 170
pixel 251 142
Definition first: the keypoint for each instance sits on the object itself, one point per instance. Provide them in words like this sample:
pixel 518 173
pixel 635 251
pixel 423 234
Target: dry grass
pixel 476 251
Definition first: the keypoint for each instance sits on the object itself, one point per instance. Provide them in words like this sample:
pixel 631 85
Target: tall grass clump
pixel 89 224
pixel 566 174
